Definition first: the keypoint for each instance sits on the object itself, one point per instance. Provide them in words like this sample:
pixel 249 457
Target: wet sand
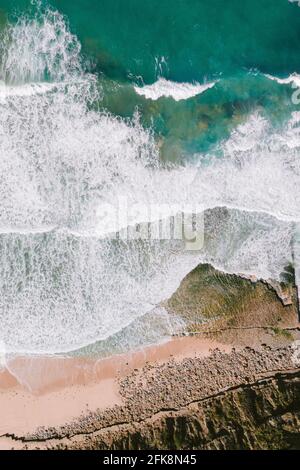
pixel 53 391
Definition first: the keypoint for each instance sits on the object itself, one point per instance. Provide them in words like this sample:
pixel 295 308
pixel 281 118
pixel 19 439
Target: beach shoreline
pixel 37 391
pixel 234 359
pixel 186 381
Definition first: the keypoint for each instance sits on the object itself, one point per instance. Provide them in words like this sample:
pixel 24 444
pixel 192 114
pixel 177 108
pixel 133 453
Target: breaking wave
pixel 293 79
pixel 169 89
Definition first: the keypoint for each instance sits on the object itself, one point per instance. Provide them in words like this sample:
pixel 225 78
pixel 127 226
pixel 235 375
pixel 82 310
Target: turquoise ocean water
pixel 188 41
pixel 182 102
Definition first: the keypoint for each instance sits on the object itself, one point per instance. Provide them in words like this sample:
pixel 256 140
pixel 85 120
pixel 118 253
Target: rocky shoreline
pixel 248 399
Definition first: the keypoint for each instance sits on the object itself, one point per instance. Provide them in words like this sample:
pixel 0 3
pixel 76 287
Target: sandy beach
pixel 88 404
pixel 52 391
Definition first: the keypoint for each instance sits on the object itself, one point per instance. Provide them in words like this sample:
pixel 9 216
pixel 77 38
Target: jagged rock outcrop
pixel 263 415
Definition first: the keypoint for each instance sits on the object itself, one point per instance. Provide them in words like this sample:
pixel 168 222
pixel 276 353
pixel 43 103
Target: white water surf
pixel 168 89
pixel 64 283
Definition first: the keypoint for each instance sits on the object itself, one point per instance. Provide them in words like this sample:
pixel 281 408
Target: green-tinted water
pixel 198 38
pixel 186 41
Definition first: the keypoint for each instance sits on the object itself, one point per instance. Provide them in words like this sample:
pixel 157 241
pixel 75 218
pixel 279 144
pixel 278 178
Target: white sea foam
pixel 293 79
pixel 64 283
pixel 175 90
pixel 34 48
pixel 29 89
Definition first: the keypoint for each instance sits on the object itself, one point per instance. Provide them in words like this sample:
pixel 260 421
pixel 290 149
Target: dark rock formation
pixel 263 415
